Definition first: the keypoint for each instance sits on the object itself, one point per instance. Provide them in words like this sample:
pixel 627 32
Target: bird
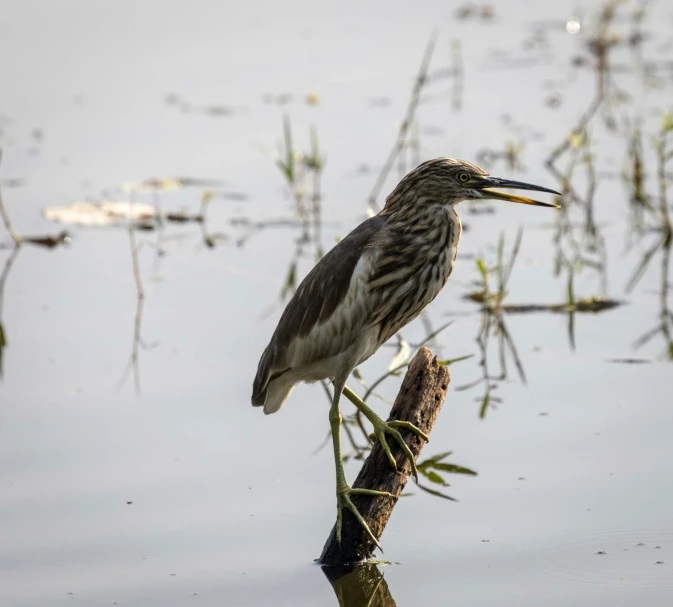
pixel 366 288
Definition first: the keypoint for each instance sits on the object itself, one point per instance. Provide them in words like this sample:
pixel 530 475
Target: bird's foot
pixel 344 501
pixel 381 428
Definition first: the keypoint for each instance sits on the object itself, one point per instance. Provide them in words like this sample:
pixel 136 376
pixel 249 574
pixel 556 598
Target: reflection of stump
pixel 362 586
pixel 419 401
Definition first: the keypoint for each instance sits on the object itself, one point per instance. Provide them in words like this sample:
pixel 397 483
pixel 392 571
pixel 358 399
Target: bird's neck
pixel 429 229
pixel 413 260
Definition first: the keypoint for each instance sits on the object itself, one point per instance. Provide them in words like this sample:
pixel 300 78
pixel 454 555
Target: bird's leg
pixel 343 490
pixel 381 428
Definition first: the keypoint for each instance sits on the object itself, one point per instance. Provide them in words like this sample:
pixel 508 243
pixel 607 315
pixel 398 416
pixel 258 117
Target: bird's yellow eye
pixel 463 177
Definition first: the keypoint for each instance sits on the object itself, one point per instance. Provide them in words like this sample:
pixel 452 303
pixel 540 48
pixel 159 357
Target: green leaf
pixel 434 478
pixel 450 361
pixel 439 457
pixel 454 469
pixel 482 269
pixel 436 493
pixel 484 405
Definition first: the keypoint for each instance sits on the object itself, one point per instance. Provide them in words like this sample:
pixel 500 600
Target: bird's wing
pixel 327 311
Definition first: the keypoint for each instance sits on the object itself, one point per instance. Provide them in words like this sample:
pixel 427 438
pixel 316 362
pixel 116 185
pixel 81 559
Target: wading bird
pixel 375 281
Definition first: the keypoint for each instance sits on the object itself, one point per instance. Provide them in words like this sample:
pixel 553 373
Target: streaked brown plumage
pixel 372 283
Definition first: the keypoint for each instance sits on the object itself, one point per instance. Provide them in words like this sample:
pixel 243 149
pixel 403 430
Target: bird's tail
pixel 276 393
pixel 271 389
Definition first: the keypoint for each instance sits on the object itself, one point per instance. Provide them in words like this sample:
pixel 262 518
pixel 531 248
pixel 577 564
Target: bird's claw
pixel 344 501
pixel 382 428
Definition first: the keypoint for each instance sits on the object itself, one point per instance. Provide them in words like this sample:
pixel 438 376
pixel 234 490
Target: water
pixel 185 494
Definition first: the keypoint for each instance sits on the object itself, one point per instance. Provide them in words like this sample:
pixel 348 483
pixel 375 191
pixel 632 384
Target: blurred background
pixel 171 170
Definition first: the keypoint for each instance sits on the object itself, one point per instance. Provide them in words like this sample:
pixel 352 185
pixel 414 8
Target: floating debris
pixel 107 213
pixel 184 218
pixel 588 304
pixel 213 110
pixel 629 361
pixel 48 241
pixel 217 110
pixel 469 10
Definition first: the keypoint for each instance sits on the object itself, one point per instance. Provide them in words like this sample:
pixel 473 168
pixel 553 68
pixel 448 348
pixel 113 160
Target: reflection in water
pixel 210 239
pixel 3 279
pixel 493 324
pixel 360 586
pixel 157 223
pixel 6 220
pixel 580 244
pixel 654 217
pixel 633 176
pixel 665 325
pixel 494 308
pixel 134 362
pixel 48 241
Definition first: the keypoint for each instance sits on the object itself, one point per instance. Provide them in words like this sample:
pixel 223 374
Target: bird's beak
pixel 494 182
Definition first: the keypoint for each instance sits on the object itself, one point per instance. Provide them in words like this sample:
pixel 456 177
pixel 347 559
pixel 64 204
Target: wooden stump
pixel 419 401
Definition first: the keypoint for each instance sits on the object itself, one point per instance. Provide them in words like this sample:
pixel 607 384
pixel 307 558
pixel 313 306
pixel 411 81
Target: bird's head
pixel 447 181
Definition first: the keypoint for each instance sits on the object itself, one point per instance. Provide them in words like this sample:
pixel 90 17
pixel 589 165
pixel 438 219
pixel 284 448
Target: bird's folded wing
pixel 328 310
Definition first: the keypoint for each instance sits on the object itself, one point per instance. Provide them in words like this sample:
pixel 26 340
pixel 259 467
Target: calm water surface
pixel 183 494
